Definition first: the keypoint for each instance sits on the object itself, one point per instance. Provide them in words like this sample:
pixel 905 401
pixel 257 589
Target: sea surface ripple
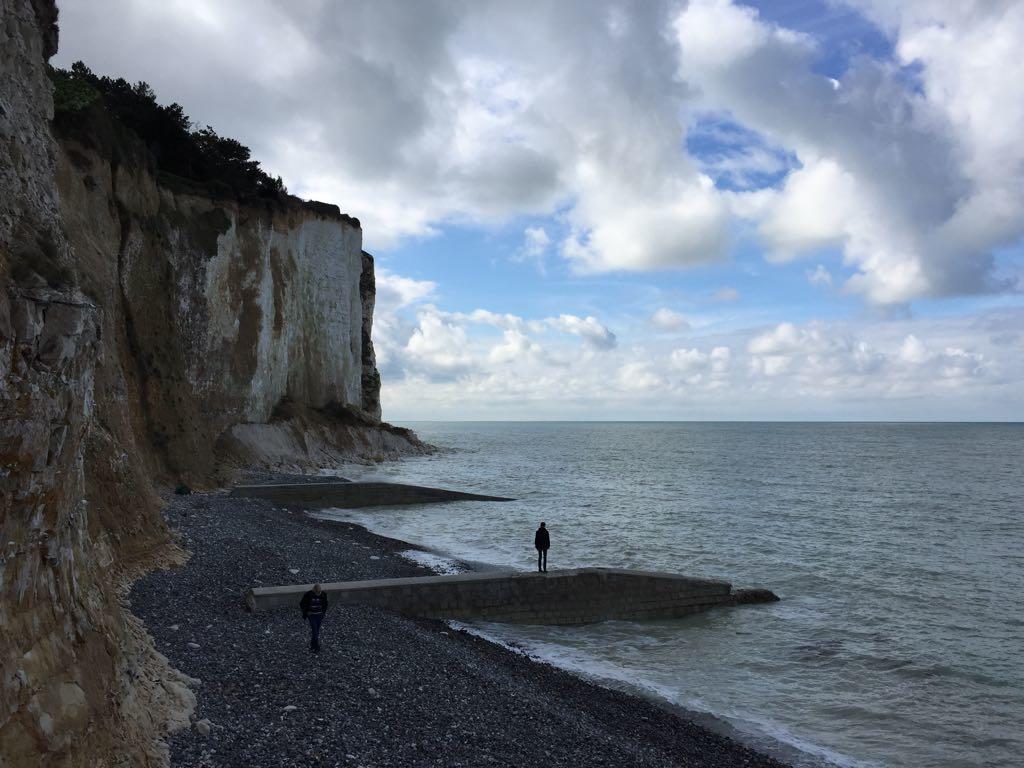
pixel 897 549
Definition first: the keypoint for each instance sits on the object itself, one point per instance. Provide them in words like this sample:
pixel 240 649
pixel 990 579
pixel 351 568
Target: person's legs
pixel 545 553
pixel 314 630
pixel 540 555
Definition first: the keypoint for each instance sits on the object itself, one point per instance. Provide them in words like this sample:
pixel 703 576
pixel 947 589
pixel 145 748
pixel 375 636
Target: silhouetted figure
pixel 542 541
pixel 314 606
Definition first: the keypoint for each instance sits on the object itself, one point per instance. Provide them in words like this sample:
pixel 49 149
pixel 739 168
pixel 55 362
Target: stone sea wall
pixel 566 597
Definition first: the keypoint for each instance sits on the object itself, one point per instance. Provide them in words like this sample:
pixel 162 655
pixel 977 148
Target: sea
pixel 897 550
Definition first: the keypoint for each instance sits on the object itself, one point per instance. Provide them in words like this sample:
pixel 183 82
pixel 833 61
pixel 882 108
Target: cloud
pixel 415 339
pixel 441 112
pixel 815 356
pixel 438 347
pixel 726 293
pixel 486 364
pixel 587 328
pixel 783 339
pixel 666 319
pixel 680 224
pixel 935 368
pixel 695 365
pixel 823 360
pixel 395 292
pixel 515 347
pixel 914 174
pixel 951 364
pixel 812 212
pixel 486 317
pixel 819 276
pixel 653 137
pixel 639 376
pixel 912 350
pixel 535 242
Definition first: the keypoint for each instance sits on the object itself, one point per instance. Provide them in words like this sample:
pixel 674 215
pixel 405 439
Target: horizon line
pixel 713 421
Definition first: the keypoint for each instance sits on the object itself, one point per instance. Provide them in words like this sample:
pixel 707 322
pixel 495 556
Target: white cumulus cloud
pixel 916 185
pixel 667 319
pixel 587 328
pixel 439 347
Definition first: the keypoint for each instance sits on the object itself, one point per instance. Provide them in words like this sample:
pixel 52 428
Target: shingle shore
pixel 385 690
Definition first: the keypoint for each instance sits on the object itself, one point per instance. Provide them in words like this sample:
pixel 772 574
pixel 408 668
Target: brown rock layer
pixel 229 316
pixel 76 511
pixel 147 333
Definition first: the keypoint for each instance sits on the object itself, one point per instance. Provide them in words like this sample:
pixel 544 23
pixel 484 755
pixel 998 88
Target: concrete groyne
pixel 577 596
pixel 350 495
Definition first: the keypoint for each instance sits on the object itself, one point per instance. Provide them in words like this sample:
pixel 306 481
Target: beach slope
pixel 385 690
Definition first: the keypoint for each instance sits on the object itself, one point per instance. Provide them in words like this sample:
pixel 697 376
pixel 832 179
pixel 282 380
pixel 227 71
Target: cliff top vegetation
pixel 183 151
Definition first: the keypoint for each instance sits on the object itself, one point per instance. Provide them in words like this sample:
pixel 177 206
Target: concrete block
pixel 577 596
pixel 350 495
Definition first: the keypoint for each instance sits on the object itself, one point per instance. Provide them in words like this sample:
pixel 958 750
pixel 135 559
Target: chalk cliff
pixel 150 333
pixel 244 326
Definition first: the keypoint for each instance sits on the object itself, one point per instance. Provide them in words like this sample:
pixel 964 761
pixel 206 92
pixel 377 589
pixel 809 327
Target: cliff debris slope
pixel 152 330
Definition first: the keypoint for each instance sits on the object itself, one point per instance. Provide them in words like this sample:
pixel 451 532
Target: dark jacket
pixel 541 540
pixel 313 604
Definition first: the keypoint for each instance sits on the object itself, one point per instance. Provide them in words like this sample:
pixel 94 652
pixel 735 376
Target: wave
pixel 755 731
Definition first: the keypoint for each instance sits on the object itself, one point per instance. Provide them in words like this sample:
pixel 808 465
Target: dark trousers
pixel 542 560
pixel 314 629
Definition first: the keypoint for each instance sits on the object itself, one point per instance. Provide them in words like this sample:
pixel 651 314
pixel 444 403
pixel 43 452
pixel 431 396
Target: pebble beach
pixel 386 690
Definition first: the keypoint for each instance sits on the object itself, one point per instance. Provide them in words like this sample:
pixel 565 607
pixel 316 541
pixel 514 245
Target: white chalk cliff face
pixel 232 315
pixel 291 325
pixel 150 332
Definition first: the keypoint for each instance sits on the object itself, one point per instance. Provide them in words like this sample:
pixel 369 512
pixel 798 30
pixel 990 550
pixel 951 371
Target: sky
pixel 657 209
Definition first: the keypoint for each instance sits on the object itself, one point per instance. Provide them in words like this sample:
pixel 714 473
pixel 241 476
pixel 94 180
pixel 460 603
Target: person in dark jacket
pixel 542 541
pixel 314 606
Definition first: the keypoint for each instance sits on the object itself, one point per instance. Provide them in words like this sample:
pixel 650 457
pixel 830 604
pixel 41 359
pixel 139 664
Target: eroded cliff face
pixel 148 335
pixel 239 322
pixel 76 512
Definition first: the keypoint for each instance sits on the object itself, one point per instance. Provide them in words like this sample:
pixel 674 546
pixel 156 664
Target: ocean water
pixel 897 550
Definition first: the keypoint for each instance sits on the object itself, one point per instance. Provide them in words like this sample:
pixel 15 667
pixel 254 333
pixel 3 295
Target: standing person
pixel 542 541
pixel 314 606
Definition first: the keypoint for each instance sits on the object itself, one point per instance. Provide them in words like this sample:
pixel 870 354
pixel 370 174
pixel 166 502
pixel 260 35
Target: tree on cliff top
pixel 180 148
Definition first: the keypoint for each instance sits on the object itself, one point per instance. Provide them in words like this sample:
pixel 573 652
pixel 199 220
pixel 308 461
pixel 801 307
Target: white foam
pixel 564 658
pixel 437 563
pixel 752 727
pixel 578 661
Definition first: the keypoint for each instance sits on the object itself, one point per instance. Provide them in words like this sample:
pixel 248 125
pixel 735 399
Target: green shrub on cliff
pixel 181 149
pixel 71 93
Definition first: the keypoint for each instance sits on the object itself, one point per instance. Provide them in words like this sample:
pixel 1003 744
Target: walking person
pixel 542 541
pixel 314 606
